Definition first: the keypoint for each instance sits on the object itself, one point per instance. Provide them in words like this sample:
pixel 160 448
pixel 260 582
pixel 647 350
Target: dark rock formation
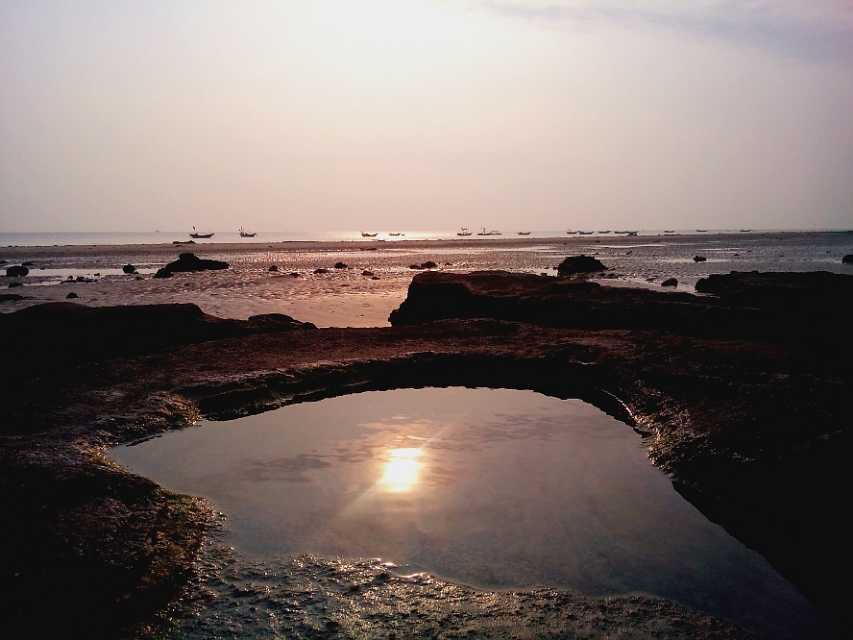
pixel 321 270
pixel 129 269
pixel 669 282
pixel 67 332
pixel 189 262
pixel 848 259
pixel 700 259
pixel 71 296
pixel 273 268
pixel 341 265
pixel 277 322
pixel 295 274
pixel 366 273
pixel 747 304
pixel 10 297
pixel 12 285
pixel 18 271
pixel 429 264
pixel 580 264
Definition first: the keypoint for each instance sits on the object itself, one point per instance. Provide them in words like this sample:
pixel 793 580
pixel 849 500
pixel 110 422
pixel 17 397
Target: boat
pixel 396 234
pixel 585 233
pixel 631 233
pixel 746 230
pixel 669 230
pixel 246 234
pixel 604 233
pixel 198 234
pixel 463 232
pixel 524 233
pixel 572 233
pixel 489 233
pixel 364 234
pixel 701 231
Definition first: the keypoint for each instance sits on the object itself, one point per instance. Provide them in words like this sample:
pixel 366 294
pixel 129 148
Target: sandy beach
pixel 348 297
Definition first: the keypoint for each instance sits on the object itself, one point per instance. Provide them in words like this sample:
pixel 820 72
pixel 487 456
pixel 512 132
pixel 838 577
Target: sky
pixel 301 115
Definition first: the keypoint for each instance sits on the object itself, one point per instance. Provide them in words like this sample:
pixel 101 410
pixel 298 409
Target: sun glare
pixel 401 470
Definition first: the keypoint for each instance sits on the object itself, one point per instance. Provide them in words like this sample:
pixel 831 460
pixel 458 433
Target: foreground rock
pixel 68 334
pixel 744 304
pixel 848 259
pixel 580 264
pixel 129 269
pixel 754 429
pixel 189 262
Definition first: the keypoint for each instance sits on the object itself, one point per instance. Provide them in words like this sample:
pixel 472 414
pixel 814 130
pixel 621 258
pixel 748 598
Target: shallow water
pixel 493 488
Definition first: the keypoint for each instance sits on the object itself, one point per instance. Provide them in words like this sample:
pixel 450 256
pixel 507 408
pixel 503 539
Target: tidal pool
pixel 490 487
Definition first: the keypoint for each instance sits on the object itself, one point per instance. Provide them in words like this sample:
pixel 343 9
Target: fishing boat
pixel 524 233
pixel 463 232
pixel 198 234
pixel 396 234
pixel 605 232
pixel 572 233
pixel 669 230
pixel 632 233
pixel 365 234
pixel 701 231
pixel 585 233
pixel 247 234
pixel 746 230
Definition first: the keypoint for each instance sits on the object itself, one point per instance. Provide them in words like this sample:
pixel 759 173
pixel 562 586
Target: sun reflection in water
pixel 401 470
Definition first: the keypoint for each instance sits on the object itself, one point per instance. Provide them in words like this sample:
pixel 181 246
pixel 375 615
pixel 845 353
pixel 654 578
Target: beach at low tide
pixel 378 272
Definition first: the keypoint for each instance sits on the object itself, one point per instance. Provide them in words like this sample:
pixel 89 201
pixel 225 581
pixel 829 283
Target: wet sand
pixel 346 298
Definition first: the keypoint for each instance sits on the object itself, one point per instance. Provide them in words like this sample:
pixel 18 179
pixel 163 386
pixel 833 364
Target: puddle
pixel 492 488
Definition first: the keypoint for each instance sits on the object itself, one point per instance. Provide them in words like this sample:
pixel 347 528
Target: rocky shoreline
pixel 740 396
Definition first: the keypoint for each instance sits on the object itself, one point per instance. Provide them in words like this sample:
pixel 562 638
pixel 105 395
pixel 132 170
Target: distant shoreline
pixel 507 240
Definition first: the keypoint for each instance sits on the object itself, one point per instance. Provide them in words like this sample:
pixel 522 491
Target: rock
pixel 28 263
pixel 189 262
pixel 760 305
pixel 669 282
pixel 341 265
pixel 278 322
pixel 848 259
pixel 12 285
pixel 129 269
pixel 580 264
pixel 366 273
pixel 700 259
pixel 273 268
pixel 295 274
pixel 374 277
pixel 429 264
pixel 71 295
pixel 321 270
pixel 16 271
pixel 10 297
pixel 140 278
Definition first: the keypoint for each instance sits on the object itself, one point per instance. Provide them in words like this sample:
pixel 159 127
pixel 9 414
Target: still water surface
pixel 494 488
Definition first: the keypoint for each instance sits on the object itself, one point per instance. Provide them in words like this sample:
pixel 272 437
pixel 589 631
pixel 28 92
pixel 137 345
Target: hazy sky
pixel 298 115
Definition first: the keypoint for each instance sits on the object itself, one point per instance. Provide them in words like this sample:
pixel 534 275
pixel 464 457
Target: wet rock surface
pixel 189 262
pixel 316 597
pixel 755 431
